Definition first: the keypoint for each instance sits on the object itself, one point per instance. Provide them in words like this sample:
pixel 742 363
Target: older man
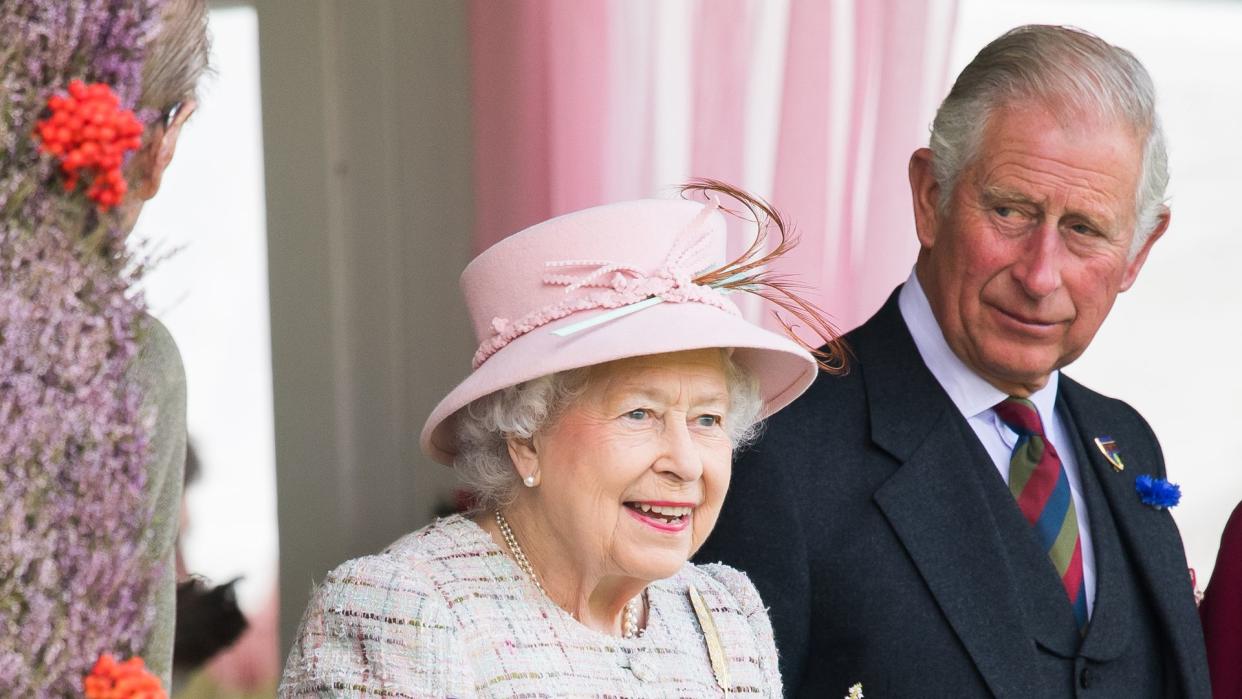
pixel 955 517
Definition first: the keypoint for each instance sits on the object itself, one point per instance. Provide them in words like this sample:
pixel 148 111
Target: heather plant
pixel 74 432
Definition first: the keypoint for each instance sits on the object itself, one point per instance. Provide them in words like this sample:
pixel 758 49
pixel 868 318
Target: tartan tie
pixel 1038 482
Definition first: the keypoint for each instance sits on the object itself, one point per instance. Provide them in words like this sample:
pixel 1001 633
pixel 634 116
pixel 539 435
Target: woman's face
pixel 633 473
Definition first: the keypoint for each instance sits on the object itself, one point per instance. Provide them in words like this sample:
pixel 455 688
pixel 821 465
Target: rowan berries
pixel 90 133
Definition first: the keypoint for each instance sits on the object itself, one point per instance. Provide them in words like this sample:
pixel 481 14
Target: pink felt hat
pixel 602 284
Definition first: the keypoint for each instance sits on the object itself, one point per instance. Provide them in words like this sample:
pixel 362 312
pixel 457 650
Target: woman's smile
pixel 670 517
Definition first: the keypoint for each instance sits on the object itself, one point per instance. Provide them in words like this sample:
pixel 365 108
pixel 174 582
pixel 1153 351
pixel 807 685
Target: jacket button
pixel 1084 678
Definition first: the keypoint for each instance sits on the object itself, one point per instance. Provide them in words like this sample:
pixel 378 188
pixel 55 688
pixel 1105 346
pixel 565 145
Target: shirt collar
pixel 969 392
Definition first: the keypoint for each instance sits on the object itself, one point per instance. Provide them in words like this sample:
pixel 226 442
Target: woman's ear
pixel 159 152
pixel 525 459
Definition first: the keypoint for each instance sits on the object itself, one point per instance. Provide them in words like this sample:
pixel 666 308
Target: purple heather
pixel 74 432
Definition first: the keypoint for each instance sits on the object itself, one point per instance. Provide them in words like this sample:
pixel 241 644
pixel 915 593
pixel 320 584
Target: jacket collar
pixel 936 504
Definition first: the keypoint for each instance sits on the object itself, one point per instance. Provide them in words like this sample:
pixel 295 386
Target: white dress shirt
pixel 975 398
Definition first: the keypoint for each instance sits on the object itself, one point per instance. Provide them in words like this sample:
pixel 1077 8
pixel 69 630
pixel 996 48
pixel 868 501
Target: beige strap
pixel 715 650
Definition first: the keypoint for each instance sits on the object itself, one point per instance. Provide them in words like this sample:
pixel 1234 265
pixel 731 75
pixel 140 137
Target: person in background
pixel 219 650
pixel 956 517
pixel 208 618
pixel 93 97
pixel 613 380
pixel 1221 611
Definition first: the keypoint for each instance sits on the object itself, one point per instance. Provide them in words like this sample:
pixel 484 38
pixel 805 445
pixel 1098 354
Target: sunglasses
pixel 169 115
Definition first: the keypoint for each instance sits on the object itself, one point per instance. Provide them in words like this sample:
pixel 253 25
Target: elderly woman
pixel 613 381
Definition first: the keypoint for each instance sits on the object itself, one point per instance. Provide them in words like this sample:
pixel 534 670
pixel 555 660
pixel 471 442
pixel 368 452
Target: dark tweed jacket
pixel 875 525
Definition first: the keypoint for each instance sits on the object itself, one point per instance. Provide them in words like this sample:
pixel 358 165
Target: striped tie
pixel 1038 482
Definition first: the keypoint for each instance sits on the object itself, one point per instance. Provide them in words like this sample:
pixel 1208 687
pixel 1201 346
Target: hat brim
pixel 783 369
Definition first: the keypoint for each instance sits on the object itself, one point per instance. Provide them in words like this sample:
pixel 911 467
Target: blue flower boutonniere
pixel 1157 492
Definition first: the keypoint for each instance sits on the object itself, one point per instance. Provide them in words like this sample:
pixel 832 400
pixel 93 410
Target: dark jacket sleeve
pixel 759 532
pixel 1221 613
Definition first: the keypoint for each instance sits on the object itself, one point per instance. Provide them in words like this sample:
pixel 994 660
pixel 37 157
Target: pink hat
pixel 603 284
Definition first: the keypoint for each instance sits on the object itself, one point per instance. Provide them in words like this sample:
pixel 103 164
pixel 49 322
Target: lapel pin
pixel 1108 448
pixel 715 649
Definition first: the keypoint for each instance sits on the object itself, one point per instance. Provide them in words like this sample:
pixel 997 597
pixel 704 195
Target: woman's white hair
pixel 484 426
pixel 1073 73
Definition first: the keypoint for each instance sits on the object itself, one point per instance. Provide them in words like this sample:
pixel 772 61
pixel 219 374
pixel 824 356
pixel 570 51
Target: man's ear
pixel 1136 263
pixel 159 152
pixel 925 192
pixel 524 456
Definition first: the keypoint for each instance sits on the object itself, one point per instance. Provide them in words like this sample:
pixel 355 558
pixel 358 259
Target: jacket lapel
pixel 1108 634
pixel 1148 535
pixel 936 505
pixel 1047 612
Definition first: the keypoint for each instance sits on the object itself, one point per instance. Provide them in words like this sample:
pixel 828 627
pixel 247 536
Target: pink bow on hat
pixel 626 288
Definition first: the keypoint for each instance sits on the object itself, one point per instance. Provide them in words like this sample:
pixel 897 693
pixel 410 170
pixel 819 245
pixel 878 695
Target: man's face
pixel 1025 262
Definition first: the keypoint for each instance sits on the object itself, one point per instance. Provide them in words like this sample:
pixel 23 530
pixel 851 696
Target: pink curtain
pixel 815 104
pixel 539 95
pixel 853 204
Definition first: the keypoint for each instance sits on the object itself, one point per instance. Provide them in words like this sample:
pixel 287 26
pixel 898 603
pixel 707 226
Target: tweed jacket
pixel 873 521
pixel 444 612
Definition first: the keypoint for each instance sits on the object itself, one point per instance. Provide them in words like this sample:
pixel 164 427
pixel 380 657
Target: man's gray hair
pixel 484 426
pixel 1072 72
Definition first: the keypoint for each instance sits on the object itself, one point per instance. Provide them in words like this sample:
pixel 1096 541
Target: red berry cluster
pixel 130 679
pixel 89 131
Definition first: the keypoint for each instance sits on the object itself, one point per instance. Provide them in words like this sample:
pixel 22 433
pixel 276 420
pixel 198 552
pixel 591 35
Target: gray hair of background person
pixel 484 426
pixel 178 56
pixel 1066 69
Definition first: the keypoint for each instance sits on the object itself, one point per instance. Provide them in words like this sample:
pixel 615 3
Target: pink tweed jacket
pixel 444 612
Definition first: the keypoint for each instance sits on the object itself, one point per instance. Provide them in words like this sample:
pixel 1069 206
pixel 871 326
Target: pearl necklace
pixel 629 622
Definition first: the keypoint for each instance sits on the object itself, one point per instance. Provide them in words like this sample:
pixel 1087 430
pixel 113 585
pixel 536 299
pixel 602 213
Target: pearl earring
pixel 529 481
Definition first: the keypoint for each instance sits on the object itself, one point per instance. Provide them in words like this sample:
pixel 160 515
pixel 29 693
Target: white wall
pixel 366 125
pixel 212 295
